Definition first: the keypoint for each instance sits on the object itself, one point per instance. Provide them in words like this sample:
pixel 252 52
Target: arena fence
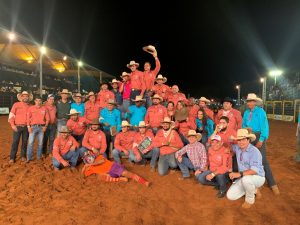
pixel 286 110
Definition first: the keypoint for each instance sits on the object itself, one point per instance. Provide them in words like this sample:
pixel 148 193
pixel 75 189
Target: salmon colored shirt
pixel 137 81
pixel 184 127
pixel 173 138
pixel 225 137
pixel 193 113
pixel 162 90
pixel 176 97
pixel 77 127
pixel 102 168
pixel 95 139
pixel 52 112
pixel 103 97
pixel 149 76
pixel 37 115
pixel 138 138
pixel 18 114
pixel 219 161
pixel 234 116
pixel 155 115
pixel 124 141
pixel 209 113
pixel 92 111
pixel 61 146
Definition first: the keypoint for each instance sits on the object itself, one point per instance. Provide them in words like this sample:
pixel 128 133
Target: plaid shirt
pixel 196 153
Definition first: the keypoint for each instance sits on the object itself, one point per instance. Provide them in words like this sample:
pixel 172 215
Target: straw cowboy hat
pixel 203 99
pixel 77 95
pixel 20 95
pixel 157 97
pixel 168 120
pixel 216 137
pixel 91 93
pixel 125 124
pixel 150 49
pixel 193 133
pixel 244 133
pixel 73 112
pixel 64 129
pixel 138 98
pixel 114 81
pixel 252 97
pixel 142 124
pixel 124 74
pixel 95 121
pixel 160 77
pixel 111 102
pixel 132 63
pixel 65 91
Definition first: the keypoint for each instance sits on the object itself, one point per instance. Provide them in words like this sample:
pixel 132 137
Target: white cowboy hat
pixel 114 81
pixel 244 133
pixel 160 77
pixel 142 124
pixel 157 97
pixel 125 124
pixel 138 98
pixel 203 99
pixel 77 95
pixel 194 133
pixel 132 63
pixel 168 120
pixel 111 102
pixel 150 49
pixel 124 74
pixel 20 95
pixel 216 137
pixel 91 93
pixel 65 91
pixel 73 112
pixel 64 129
pixel 252 97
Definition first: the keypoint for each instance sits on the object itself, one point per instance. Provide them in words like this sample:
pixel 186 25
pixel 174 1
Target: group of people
pixel 141 121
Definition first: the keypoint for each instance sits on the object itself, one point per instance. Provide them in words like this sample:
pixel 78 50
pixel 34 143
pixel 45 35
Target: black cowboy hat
pixel 228 99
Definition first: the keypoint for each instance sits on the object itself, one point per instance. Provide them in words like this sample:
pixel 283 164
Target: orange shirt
pixel 155 115
pixel 234 116
pixel 209 113
pixel 176 97
pixel 95 139
pixel 184 127
pixel 92 111
pixel 52 113
pixel 37 115
pixel 162 90
pixel 124 141
pixel 137 80
pixel 225 137
pixel 219 161
pixel 77 127
pixel 150 76
pixel 101 168
pixel 173 138
pixel 18 114
pixel 138 138
pixel 61 146
pixel 103 97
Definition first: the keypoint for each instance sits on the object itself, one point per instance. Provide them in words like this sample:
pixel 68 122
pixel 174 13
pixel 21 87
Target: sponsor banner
pixel 277 117
pixel 270 116
pixel 4 110
pixel 288 118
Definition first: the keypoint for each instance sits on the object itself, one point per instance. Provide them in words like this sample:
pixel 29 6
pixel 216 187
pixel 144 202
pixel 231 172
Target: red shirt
pixel 95 139
pixel 150 76
pixel 138 138
pixel 18 114
pixel 37 115
pixel 234 116
pixel 172 138
pixel 52 113
pixel 92 111
pixel 176 97
pixel 137 80
pixel 155 115
pixel 61 146
pixel 184 127
pixel 124 141
pixel 162 90
pixel 209 113
pixel 219 161
pixel 77 127
pixel 103 97
pixel 125 88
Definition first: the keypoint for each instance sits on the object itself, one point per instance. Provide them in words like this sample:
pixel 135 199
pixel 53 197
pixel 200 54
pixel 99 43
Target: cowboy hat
pixel 203 99
pixel 91 93
pixel 150 49
pixel 228 99
pixel 95 121
pixel 142 124
pixel 160 77
pixel 193 133
pixel 111 102
pixel 252 97
pixel 124 74
pixel 138 98
pixel 168 120
pixel 65 91
pixel 132 63
pixel 64 129
pixel 114 81
pixel 125 124
pixel 157 97
pixel 77 95
pixel 244 133
pixel 73 112
pixel 216 137
pixel 20 95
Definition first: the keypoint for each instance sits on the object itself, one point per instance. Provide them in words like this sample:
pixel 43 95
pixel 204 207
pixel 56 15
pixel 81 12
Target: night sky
pixel 204 47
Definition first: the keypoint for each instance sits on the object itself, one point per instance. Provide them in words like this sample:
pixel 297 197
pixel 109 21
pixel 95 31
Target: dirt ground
pixel 34 194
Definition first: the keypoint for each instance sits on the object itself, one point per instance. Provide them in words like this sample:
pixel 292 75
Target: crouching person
pixel 143 148
pixel 168 141
pixel 251 175
pixel 192 156
pixel 65 150
pixel 220 163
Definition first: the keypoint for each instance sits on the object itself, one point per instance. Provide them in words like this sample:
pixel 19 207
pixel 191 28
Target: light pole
pixel 238 87
pixel 264 88
pixel 275 74
pixel 79 64
pixel 42 52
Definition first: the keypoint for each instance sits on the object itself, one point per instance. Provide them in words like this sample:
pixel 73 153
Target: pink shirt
pixel 52 112
pixel 150 76
pixel 155 115
pixel 95 139
pixel 37 115
pixel 103 97
pixel 92 111
pixel 62 146
pixel 219 161
pixel 18 114
pixel 77 127
pixel 172 138
pixel 126 90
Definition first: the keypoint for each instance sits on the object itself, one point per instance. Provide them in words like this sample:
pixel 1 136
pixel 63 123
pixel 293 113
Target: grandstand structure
pixel 20 63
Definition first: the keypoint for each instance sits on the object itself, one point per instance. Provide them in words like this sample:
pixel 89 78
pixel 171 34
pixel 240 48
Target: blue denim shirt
pixel 209 126
pixel 249 159
pixel 136 114
pixel 112 117
pixel 79 108
pixel 258 121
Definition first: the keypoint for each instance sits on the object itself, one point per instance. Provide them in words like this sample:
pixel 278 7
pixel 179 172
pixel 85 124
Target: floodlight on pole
pixel 65 58
pixel 275 74
pixel 79 64
pixel 263 80
pixel 238 87
pixel 11 36
pixel 43 51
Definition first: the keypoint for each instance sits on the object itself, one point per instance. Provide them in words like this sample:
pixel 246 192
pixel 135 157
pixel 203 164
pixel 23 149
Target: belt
pixel 38 125
pixel 21 125
pixel 136 89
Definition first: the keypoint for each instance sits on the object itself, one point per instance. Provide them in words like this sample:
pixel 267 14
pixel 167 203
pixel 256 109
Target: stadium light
pixel 263 80
pixel 275 74
pixel 43 51
pixel 79 64
pixel 65 58
pixel 238 87
pixel 11 36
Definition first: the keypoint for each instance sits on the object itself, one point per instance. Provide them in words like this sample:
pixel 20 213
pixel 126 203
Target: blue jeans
pixel 117 155
pixel 70 156
pixel 49 135
pixel 22 131
pixel 219 180
pixel 36 131
pixel 60 123
pixel 133 94
pixel 148 99
pixel 124 108
pixel 185 165
pixel 153 154
pixel 165 162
